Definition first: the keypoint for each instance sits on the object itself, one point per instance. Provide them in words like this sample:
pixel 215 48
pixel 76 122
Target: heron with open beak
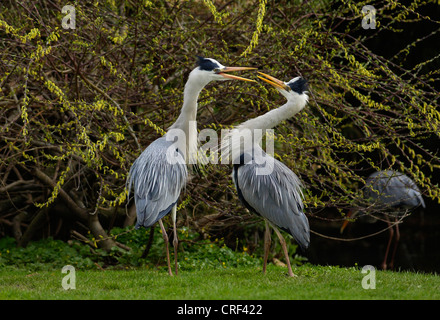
pixel 275 195
pixel 160 173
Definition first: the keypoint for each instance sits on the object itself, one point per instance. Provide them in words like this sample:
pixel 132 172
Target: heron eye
pixel 216 70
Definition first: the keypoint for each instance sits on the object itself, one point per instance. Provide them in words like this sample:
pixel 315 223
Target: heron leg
pixel 286 253
pixel 267 242
pixel 165 238
pixel 175 239
pixel 384 263
pixel 396 241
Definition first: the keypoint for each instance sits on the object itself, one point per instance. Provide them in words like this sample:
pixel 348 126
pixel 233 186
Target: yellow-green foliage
pixel 82 104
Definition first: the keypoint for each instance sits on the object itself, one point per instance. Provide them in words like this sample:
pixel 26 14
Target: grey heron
pixel 275 195
pixel 392 193
pixel 160 173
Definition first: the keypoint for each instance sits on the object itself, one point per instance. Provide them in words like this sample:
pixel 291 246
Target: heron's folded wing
pixel 393 189
pixel 276 196
pixel 157 182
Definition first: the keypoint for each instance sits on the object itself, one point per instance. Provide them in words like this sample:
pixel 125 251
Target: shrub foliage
pixel 79 105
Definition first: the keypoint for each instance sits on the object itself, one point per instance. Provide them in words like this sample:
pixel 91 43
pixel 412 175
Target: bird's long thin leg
pixel 286 253
pixel 175 239
pixel 165 238
pixel 267 242
pixel 384 263
pixel 396 241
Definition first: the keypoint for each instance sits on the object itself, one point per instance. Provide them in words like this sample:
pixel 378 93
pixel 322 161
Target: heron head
pixel 298 85
pixel 212 70
pixel 291 90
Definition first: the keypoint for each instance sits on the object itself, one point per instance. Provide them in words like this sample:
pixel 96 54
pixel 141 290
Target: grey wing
pixel 394 189
pixel 157 182
pixel 276 196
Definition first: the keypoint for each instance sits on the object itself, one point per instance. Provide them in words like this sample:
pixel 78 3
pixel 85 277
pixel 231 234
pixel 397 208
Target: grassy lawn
pixel 208 271
pixel 312 282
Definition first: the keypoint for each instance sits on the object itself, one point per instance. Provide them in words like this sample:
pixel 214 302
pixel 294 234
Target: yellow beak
pixel 232 69
pixel 344 225
pixel 273 81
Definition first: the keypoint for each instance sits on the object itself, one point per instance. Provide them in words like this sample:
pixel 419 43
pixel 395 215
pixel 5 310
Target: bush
pixel 45 254
pixel 78 106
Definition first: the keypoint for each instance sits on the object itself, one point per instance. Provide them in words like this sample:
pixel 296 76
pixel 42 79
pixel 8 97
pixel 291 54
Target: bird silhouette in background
pixel 392 194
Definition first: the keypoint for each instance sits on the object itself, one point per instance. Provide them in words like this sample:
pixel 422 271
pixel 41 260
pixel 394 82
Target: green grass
pixel 209 270
pixel 243 283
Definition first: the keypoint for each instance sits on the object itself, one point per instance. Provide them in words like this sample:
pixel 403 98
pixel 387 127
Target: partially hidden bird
pixel 266 186
pixel 390 194
pixel 160 173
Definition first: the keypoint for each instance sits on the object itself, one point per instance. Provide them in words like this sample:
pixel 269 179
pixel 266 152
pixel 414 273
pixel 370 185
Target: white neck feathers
pixel 188 114
pixel 276 116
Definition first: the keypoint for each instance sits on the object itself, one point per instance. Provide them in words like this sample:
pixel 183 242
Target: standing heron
pixel 274 194
pixel 160 172
pixel 392 193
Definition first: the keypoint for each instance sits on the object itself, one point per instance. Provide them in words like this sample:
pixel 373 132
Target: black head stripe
pixel 206 64
pixel 299 86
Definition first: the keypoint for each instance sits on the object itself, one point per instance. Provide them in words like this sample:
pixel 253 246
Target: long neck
pixel 189 108
pixel 267 121
pixel 188 115
pixel 273 117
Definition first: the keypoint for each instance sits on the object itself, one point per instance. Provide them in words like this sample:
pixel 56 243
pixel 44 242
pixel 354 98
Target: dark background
pixel 419 245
